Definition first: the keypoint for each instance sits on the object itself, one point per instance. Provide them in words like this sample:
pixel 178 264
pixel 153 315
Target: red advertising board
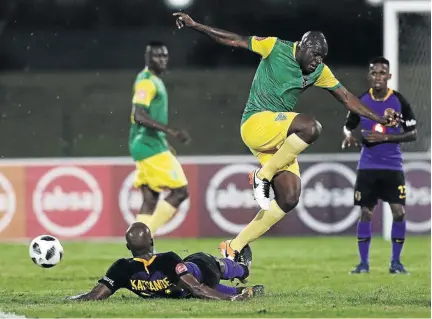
pixel 83 198
pixel 68 201
pixel 12 194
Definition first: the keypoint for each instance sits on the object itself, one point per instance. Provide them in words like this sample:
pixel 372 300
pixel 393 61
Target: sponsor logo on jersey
pixel 180 269
pixel 109 280
pixel 67 201
pixel 229 198
pixel 130 201
pixel 7 202
pixel 326 202
pixel 410 123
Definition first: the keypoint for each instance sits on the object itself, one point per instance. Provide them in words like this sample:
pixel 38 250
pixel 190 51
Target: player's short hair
pixel 156 43
pixel 381 60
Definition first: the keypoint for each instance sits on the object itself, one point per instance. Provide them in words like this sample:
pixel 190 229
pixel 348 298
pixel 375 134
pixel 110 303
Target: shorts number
pixel 402 191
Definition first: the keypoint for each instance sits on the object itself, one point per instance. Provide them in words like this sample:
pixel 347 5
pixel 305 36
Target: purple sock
pixel 226 290
pixel 398 239
pixel 364 234
pixel 233 269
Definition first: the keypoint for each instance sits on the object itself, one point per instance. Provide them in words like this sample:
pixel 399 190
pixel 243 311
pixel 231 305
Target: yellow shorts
pixel 265 132
pixel 159 172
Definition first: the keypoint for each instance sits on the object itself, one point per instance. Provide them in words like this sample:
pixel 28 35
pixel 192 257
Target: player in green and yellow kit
pixel 269 127
pixel 157 168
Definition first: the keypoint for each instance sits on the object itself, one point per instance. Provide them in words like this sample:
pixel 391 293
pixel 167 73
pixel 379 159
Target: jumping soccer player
pixel 156 166
pixel 166 275
pixel 275 134
pixel 380 173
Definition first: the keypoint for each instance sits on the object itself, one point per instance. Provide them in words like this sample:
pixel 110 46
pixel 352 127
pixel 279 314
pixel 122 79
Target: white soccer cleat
pixel 261 190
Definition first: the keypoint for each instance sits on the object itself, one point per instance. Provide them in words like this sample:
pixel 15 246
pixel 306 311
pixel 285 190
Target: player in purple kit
pixel 166 275
pixel 380 172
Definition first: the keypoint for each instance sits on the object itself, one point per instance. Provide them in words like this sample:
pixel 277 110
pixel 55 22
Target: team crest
pixel 280 117
pixel 357 196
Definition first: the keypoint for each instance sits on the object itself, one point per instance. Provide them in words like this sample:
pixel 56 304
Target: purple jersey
pixel 382 155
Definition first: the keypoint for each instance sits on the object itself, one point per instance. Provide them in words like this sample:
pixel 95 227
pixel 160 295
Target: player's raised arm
pixel 260 45
pixel 328 81
pixel 221 36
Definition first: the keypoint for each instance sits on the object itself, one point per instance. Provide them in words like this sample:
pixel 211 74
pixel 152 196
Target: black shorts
pixel 374 184
pixel 209 267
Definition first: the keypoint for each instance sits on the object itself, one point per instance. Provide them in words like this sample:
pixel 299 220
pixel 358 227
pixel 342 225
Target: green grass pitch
pixel 304 277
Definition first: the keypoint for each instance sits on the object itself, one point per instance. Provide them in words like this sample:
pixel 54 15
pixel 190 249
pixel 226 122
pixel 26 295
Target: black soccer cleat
pixel 362 268
pixel 396 267
pixel 244 256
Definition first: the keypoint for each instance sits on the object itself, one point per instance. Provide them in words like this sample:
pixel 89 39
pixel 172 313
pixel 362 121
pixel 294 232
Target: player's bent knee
pixel 398 215
pixel 288 202
pixel 178 196
pixel 365 215
pixel 309 129
pixel 316 128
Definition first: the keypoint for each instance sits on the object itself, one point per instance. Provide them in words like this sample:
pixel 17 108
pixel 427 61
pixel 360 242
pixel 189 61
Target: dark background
pixel 67 69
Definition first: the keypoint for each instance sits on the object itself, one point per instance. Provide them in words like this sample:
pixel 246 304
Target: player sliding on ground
pixel 380 171
pixel 269 127
pixel 166 275
pixel 156 166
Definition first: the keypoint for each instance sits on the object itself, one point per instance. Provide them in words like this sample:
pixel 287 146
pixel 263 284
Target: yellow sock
pixel 143 218
pixel 162 214
pixel 287 153
pixel 258 226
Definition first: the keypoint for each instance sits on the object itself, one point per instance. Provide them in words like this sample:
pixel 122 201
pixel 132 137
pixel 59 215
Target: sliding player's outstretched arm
pixel 115 278
pixel 99 292
pixel 221 36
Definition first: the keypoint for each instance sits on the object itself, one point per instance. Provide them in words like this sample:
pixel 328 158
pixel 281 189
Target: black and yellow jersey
pixel 155 278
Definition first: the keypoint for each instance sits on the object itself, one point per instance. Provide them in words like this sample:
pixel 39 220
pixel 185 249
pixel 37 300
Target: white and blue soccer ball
pixel 46 251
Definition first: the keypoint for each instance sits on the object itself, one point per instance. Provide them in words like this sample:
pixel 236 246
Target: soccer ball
pixel 46 251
